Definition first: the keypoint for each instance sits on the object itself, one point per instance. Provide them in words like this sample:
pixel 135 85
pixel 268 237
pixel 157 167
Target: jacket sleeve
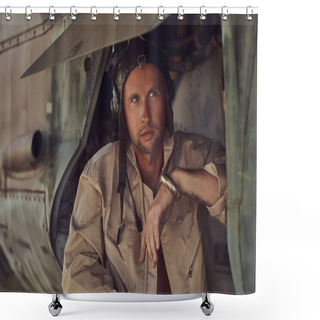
pixel 84 268
pixel 215 164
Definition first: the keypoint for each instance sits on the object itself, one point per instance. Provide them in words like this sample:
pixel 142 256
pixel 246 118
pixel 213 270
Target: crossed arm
pixel 198 184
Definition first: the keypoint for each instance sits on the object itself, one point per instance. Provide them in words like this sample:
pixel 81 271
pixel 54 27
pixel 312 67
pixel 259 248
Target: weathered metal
pixel 239 39
pixel 83 37
pixel 26 106
pixel 55 101
pixel 24 153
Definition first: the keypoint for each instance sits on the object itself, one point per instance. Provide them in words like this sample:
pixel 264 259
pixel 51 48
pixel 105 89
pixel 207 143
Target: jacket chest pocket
pixel 182 218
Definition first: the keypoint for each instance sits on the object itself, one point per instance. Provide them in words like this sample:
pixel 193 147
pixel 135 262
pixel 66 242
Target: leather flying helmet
pixel 128 55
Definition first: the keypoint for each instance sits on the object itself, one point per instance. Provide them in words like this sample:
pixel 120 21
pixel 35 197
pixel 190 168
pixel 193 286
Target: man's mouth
pixel 147 134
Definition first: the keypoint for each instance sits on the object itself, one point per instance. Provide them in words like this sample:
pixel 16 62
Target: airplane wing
pixel 77 40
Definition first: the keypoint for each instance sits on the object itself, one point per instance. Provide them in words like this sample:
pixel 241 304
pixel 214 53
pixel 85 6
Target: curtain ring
pixel 116 16
pixel 203 13
pixel 180 13
pixel 224 13
pixel 137 16
pixel 52 11
pixel 93 16
pixel 249 16
pixel 160 15
pixel 28 13
pixel 7 12
pixel 73 13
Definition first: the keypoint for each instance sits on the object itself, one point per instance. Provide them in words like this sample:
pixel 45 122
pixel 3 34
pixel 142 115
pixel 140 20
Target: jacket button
pixel 179 219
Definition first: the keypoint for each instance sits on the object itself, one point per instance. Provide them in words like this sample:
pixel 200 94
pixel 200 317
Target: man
pixel 135 224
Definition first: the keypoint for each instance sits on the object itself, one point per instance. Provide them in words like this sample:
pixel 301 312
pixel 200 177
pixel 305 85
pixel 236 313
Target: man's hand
pixel 198 184
pixel 155 220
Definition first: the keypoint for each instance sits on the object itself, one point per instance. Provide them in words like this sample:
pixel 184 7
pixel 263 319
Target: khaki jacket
pixel 94 262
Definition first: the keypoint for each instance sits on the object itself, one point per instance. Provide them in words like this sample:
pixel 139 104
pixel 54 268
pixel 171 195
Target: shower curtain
pixel 55 117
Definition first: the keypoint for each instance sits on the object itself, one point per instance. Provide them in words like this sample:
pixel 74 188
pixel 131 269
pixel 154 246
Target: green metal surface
pixel 239 38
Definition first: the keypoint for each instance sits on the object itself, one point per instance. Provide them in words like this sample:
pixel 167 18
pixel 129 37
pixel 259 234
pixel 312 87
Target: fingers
pixel 143 248
pixel 148 243
pixel 153 250
pixel 157 238
pixel 150 239
pixel 150 255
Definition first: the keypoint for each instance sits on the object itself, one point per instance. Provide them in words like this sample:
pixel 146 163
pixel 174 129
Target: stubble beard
pixel 145 147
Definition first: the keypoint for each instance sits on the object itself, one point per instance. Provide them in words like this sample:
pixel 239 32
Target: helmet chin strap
pixel 122 166
pixel 121 208
pixel 121 189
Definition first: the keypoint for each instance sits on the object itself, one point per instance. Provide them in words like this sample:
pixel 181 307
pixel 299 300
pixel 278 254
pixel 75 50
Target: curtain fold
pixel 239 39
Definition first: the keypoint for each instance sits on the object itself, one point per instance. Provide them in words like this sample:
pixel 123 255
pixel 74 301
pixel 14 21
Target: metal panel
pixel 25 239
pixel 239 38
pixel 56 103
pixel 198 104
pixel 78 40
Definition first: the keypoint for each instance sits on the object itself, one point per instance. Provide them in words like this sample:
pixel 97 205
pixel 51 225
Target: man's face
pixel 144 105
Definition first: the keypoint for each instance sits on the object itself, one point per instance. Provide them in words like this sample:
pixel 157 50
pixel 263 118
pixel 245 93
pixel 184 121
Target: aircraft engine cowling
pixel 24 153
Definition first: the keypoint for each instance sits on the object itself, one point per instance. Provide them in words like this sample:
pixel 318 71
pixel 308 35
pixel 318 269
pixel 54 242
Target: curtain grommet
pixel 28 13
pixel 52 12
pixel 73 13
pixel 203 13
pixel 180 15
pixel 116 13
pixel 7 12
pixel 93 15
pixel 224 13
pixel 138 16
pixel 160 14
pixel 249 16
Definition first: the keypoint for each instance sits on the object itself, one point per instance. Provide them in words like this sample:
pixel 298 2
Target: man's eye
pixel 135 99
pixel 153 93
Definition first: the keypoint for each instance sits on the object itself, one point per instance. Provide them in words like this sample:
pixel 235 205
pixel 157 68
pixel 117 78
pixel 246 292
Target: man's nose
pixel 145 111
